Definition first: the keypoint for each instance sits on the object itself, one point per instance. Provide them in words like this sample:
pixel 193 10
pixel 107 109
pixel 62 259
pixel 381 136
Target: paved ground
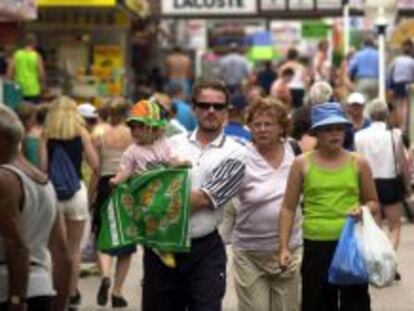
pixel 399 297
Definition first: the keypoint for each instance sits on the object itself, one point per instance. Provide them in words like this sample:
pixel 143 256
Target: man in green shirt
pixel 27 69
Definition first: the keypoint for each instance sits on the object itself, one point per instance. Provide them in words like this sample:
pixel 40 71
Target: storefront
pixel 264 28
pixel 12 12
pixel 85 44
pixel 298 23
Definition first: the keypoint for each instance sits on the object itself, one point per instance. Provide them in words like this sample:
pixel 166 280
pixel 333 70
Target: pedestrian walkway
pixel 396 298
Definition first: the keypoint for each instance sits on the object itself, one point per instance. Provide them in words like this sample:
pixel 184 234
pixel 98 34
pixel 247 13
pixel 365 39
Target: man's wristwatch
pixel 16 300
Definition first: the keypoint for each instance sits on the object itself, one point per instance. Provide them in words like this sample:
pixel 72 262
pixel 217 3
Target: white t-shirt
pixel 259 201
pixel 375 144
pixel 221 159
pixel 403 69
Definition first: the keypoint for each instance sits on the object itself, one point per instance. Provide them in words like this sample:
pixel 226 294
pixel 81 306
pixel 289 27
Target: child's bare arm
pixel 118 178
pixel 179 163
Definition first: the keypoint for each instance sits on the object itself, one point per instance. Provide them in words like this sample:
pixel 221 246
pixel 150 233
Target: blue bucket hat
pixel 328 114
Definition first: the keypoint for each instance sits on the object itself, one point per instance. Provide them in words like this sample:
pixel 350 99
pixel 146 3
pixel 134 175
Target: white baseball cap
pixel 87 110
pixel 356 98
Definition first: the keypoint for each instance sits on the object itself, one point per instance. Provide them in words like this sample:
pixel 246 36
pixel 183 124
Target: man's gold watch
pixel 16 300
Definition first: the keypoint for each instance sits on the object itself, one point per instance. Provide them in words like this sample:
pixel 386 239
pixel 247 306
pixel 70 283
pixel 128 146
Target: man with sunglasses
pixel 199 280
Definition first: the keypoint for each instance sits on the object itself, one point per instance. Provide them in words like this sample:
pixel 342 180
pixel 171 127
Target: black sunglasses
pixel 207 106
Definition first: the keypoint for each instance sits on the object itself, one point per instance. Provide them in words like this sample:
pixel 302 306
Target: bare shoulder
pixel 361 164
pixel 100 129
pixel 8 180
pixel 359 160
pixel 85 135
pixel 302 161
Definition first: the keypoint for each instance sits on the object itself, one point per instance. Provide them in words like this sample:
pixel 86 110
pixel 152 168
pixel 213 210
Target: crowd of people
pixel 278 161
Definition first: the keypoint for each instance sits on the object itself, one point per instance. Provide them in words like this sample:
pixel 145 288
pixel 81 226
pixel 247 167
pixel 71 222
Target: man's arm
pixel 367 188
pixel 41 71
pixel 43 155
pixel 17 253
pixel 403 164
pixel 199 200
pixel 10 69
pixel 222 184
pixel 62 264
pixel 352 68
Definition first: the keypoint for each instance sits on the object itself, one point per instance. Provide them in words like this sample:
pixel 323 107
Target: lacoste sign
pixel 208 7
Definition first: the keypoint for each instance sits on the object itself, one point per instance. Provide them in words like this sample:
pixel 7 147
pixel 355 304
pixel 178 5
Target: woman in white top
pixel 260 282
pixel 384 151
pixel 110 144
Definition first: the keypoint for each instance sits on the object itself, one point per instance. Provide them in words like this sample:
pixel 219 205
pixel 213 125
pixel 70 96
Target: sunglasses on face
pixel 208 106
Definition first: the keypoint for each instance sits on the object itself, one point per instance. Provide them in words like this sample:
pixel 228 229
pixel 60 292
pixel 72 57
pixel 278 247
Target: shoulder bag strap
pixel 394 153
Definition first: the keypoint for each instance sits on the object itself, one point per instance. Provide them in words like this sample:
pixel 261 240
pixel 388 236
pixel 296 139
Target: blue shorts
pixel 400 89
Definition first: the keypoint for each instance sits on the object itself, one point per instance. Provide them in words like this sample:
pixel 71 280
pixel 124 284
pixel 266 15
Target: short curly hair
pixel 320 93
pixel 272 107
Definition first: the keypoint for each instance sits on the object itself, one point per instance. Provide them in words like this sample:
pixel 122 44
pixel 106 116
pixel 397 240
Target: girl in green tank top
pixel 333 183
pixel 329 195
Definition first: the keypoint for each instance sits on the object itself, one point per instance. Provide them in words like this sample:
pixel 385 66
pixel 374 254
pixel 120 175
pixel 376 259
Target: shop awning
pixel 76 3
pixel 134 7
pixel 17 10
pixel 138 7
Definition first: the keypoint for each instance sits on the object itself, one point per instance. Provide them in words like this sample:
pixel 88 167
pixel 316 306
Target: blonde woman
pixel 65 127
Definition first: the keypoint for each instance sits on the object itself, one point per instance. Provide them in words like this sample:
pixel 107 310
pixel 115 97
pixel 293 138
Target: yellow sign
pixel 108 64
pixel 108 56
pixel 139 7
pixel 404 31
pixel 76 2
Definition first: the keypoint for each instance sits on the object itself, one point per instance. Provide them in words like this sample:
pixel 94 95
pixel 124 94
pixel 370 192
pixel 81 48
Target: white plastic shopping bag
pixel 380 257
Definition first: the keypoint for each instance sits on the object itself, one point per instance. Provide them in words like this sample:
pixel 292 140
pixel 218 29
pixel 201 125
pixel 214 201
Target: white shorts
pixel 76 208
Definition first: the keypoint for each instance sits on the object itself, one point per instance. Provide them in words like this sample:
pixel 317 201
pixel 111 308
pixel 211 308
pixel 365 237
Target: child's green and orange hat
pixel 147 112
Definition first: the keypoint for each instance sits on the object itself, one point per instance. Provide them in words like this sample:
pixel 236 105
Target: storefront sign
pixel 14 10
pixel 301 4
pixel 294 5
pixel 139 7
pixel 196 34
pixel 285 35
pixel 76 2
pixel 357 4
pixel 314 30
pixel 329 4
pixel 404 31
pixel 268 5
pixel 208 7
pixel 108 64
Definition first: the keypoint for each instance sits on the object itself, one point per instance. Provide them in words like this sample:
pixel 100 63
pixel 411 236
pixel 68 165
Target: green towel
pixel 151 209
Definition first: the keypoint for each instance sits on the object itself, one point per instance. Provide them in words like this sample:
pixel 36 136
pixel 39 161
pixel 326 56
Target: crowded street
pixel 398 297
pixel 207 155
